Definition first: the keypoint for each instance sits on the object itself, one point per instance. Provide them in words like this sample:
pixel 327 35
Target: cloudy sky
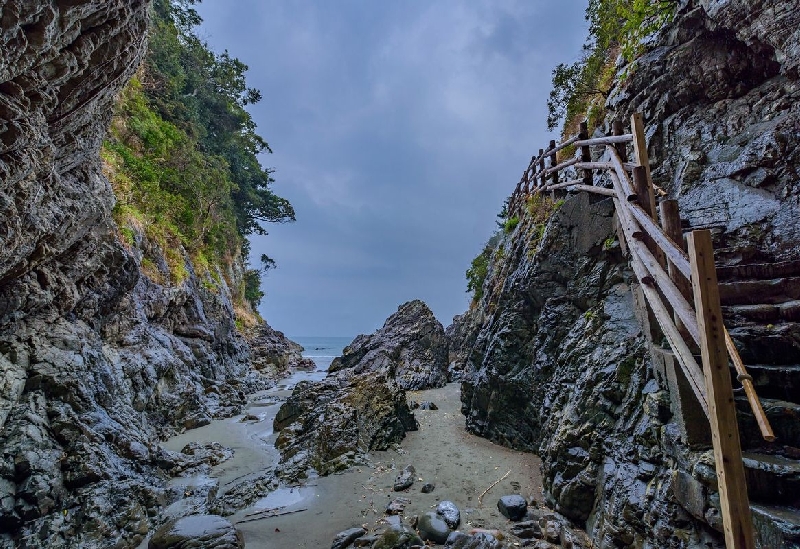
pixel 398 128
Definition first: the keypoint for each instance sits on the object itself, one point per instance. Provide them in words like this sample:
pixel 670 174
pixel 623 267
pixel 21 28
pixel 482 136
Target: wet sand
pixel 461 466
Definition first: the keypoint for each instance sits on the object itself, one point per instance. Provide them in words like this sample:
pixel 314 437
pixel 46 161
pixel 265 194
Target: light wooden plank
pixel 608 140
pixel 671 292
pixel 565 164
pixel 671 249
pixel 736 519
pixel 592 189
pixel 747 383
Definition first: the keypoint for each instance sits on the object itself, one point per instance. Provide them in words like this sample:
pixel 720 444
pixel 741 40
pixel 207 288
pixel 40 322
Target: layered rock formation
pixel 361 404
pixel 97 361
pixel 411 347
pixel 557 359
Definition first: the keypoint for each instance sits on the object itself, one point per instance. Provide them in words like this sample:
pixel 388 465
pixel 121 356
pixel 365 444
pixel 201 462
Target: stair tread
pixel 774 462
pixel 759 270
pixel 761 291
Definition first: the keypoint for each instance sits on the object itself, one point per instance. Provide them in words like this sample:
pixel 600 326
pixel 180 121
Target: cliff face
pixel 96 360
pixel 557 355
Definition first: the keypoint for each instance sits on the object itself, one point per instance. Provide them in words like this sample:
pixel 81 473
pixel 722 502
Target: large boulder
pixel 331 424
pixel 411 347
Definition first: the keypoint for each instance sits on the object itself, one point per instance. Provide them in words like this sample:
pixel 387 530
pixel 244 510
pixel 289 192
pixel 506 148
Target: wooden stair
pixel 761 307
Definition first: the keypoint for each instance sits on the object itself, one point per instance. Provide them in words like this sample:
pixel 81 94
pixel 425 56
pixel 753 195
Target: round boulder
pixel 197 532
pixel 449 513
pixel 432 528
pixel 513 507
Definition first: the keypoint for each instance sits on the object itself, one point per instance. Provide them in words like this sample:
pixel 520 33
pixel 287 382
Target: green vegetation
pixel 615 27
pixel 182 154
pixel 476 274
pixel 510 224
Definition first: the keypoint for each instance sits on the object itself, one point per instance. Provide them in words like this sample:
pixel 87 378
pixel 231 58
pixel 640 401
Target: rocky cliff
pixel 558 356
pixel 97 361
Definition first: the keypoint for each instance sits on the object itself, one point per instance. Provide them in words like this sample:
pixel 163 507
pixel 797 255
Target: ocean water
pixel 322 350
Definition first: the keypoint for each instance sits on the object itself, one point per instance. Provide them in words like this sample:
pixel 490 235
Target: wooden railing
pixel 671 279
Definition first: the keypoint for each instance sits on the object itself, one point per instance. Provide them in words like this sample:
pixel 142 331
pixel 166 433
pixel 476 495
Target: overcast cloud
pixel 398 128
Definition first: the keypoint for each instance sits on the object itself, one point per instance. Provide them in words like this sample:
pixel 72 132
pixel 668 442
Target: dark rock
pixel 527 530
pixel 411 347
pixel 345 538
pixel 449 513
pixel 428 406
pixel 397 506
pixel 427 488
pixel 433 528
pixel 197 531
pixel 273 354
pixel 512 507
pixel 212 453
pixel 405 479
pixel 400 537
pixel 332 424
pixel 481 540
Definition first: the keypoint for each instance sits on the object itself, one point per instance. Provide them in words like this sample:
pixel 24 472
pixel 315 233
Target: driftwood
pixel 495 483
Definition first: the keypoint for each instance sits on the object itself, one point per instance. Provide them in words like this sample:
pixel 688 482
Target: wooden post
pixel 644 193
pixel 541 167
pixel 586 155
pixel 553 162
pixel 616 129
pixel 640 155
pixel 736 519
pixel 671 223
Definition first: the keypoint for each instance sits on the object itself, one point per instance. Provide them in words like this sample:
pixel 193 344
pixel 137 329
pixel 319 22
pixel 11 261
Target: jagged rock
pixel 397 506
pixel 411 347
pixel 512 507
pixel 433 528
pixel 481 540
pixel 98 361
pixel 345 538
pixel 274 354
pixel 405 479
pixel 427 488
pixel 527 530
pixel 331 424
pixel 197 532
pixel 449 513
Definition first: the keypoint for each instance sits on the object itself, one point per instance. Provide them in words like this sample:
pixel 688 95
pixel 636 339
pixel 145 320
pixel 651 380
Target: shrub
pixel 510 224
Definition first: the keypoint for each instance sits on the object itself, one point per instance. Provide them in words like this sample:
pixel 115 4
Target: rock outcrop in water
pixel 97 361
pixel 558 357
pixel 411 347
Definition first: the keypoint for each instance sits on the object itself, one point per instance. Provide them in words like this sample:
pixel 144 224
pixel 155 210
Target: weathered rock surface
pixel 273 354
pixel 411 347
pixel 432 527
pixel 197 532
pixel 331 424
pixel 554 357
pixel 97 361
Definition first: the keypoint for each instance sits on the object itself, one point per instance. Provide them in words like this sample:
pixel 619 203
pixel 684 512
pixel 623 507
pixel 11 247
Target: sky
pixel 397 130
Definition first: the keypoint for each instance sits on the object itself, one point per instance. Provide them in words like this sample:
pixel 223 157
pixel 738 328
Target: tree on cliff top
pixel 616 27
pixel 183 150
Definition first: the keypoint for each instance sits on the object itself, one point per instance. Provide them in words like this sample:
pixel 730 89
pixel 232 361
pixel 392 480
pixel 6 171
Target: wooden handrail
pixel 747 382
pixel 606 140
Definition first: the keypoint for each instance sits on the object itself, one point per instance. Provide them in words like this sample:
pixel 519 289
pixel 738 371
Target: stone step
pixel 767 343
pixel 763 313
pixel 784 417
pixel 776 526
pixel 756 292
pixel 771 381
pixel 772 479
pixel 759 270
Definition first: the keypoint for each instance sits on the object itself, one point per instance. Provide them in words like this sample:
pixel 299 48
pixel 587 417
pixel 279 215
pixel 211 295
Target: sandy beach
pixel 461 467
